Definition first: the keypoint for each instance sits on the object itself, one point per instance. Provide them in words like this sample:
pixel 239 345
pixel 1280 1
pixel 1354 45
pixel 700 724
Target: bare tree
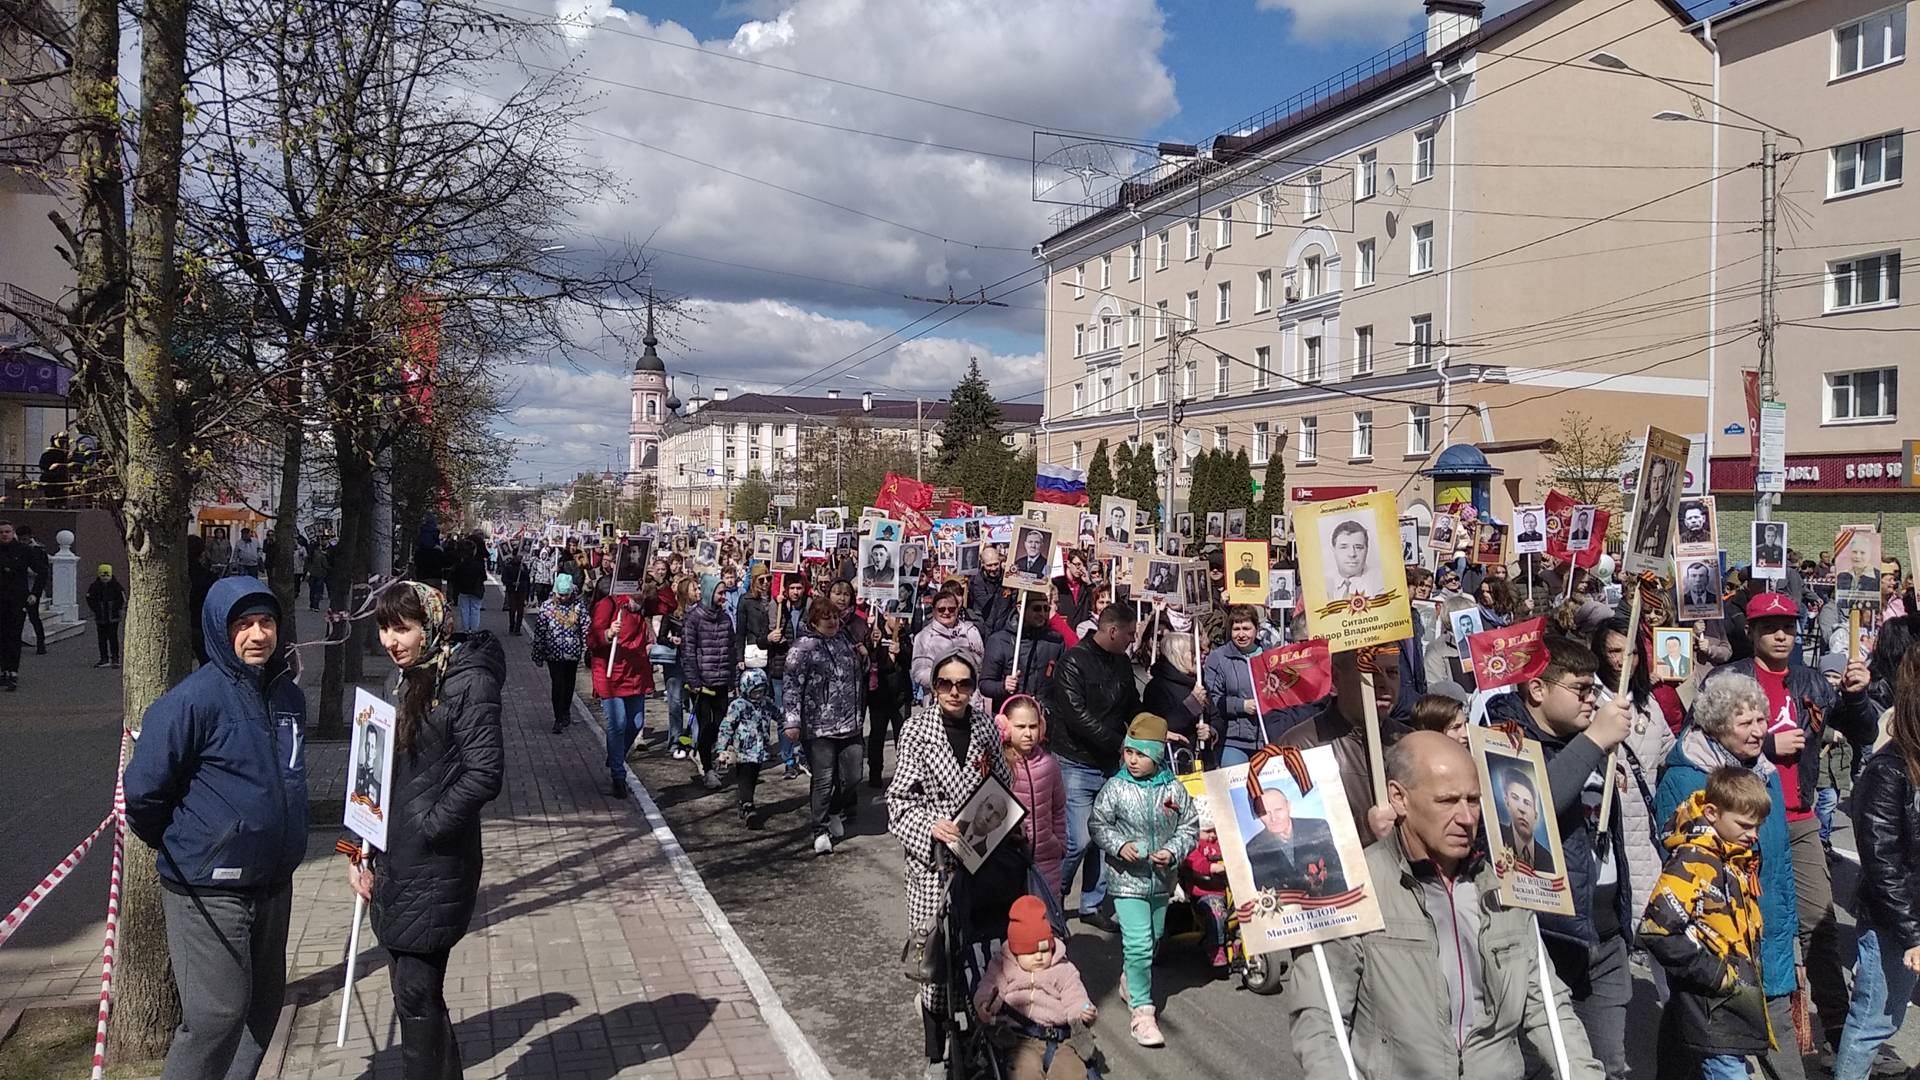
pixel 1585 463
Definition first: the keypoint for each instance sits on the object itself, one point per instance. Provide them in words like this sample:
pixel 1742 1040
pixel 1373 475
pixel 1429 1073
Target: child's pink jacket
pixel 1054 995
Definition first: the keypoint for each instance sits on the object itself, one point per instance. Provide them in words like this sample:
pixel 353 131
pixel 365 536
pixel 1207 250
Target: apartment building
pixel 717 442
pixel 1461 240
pixel 33 389
pixel 1834 79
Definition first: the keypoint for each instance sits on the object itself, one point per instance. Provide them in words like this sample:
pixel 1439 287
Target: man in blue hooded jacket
pixel 217 786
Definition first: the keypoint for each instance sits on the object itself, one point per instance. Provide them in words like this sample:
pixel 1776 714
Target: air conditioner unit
pixel 1292 292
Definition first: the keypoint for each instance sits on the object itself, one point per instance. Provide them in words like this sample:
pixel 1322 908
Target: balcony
pixel 15 334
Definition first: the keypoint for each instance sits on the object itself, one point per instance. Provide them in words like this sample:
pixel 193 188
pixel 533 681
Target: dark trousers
pixel 709 710
pixel 563 672
pixel 835 763
pixel 1819 926
pixel 746 780
pixel 109 635
pixel 229 956
pixel 880 721
pixel 11 619
pixel 1600 987
pixel 428 1050
pixel 39 631
pixel 316 593
pixel 516 610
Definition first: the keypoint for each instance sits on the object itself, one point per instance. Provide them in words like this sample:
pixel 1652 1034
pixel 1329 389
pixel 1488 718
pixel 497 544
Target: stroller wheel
pixel 1262 976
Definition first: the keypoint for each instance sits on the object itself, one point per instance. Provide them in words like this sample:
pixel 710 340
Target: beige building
pixel 32 276
pixel 1459 242
pixel 1834 78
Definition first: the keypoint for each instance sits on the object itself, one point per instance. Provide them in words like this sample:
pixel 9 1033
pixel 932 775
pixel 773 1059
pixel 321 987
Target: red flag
pixel 898 494
pixel 958 508
pixel 1560 521
pixel 1292 675
pixel 1508 654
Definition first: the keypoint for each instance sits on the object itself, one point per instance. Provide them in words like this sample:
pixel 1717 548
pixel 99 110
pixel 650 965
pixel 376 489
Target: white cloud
pixel 1322 21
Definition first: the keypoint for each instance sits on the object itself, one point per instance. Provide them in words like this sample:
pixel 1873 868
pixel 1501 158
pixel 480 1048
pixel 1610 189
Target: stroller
pixel 975 928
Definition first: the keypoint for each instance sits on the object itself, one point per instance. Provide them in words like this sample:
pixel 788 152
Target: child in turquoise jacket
pixel 746 734
pixel 1146 824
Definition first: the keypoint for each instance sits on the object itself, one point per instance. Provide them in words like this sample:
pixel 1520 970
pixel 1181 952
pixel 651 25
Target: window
pixel 1079 339
pixel 1160 387
pixel 1159 320
pixel 1310 196
pixel 1076 455
pixel 1193 309
pixel 1189 447
pixel 1159 449
pixel 1365 274
pixel 1223 302
pixel 1133 390
pixel 1262 366
pixel 1423 247
pixel 1135 258
pixel 1106 393
pixel 653 409
pixel 1223 231
pixel 1423 155
pixel 1080 282
pixel 1106 332
pixel 1312 360
pixel 1419 430
pixel 1263 290
pixel 1263 213
pixel 1193 240
pixel 1309 439
pixel 1312 277
pixel 1863 395
pixel 1421 355
pixel 1868 281
pixel 1106 271
pixel 1133 326
pixel 1363 434
pixel 1874 41
pixel 1869 163
pixel 1220 438
pixel 1162 249
pixel 1262 434
pixel 1222 374
pixel 1191 380
pixel 1365 182
pixel 1363 350
pixel 1079 397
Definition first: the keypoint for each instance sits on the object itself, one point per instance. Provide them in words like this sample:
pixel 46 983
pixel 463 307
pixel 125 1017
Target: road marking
pixel 806 1063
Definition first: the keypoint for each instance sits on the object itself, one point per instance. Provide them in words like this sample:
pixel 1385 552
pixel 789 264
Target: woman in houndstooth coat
pixel 947 748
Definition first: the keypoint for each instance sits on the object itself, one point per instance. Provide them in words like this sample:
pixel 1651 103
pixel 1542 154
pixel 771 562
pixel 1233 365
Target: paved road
pixel 828 932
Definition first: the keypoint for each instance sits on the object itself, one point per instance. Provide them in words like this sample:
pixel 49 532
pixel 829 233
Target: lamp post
pixel 1770 157
pixel 919 406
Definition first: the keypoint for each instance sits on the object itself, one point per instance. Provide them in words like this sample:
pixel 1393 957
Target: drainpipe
pixel 1446 333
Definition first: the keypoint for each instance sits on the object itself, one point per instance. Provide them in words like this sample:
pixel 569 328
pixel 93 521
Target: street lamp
pixel 919 436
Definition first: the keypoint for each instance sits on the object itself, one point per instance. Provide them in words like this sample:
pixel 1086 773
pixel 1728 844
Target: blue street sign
pixel 1733 429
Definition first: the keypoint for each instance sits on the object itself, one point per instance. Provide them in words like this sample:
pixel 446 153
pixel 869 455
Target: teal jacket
pixel 1151 818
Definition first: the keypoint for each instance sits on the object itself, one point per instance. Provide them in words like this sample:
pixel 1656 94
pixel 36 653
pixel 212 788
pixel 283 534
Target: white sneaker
pixel 823 844
pixel 1146 1030
pixel 834 827
pixel 710 781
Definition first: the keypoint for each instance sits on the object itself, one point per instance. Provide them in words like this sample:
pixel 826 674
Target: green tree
pixel 1241 477
pixel 1201 496
pixel 1143 479
pixel 751 498
pixel 972 417
pixel 993 476
pixel 590 500
pixel 1273 498
pixel 1100 476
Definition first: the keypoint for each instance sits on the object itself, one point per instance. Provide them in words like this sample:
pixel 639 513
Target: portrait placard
pixel 879 568
pixel 1516 807
pixel 370 768
pixel 1489 543
pixel 1236 524
pixel 1699 532
pixel 966 558
pixel 1216 527
pixel 1116 525
pixel 984 820
pixel 630 566
pixel 1464 623
pixel 1159 579
pixel 1281 590
pixel 1292 851
pixel 1247 572
pixel 1277 529
pixel 1658 484
pixel 1031 562
pixel 1697 582
pixel 1672 653
pixel 1580 527
pixel 786 552
pixel 1856 568
pixel 1441 536
pixel 1354 596
pixel 1770 550
pixel 1183 524
pixel 1530 530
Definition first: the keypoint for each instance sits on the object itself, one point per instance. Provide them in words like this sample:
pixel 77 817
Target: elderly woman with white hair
pixel 1174 694
pixel 1729 727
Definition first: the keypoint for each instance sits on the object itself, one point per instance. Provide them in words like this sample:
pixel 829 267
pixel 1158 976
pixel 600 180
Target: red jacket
pixel 632 670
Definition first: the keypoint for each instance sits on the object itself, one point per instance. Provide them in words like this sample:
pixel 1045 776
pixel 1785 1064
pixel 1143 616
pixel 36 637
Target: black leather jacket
pixel 1094 699
pixel 1886 824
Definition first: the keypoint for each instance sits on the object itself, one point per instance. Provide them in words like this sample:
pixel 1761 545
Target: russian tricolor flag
pixel 1060 484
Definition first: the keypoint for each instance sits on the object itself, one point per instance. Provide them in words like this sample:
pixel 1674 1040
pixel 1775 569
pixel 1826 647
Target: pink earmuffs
pixel 1000 718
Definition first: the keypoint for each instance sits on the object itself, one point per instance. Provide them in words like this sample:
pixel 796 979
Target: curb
pixel 799 1052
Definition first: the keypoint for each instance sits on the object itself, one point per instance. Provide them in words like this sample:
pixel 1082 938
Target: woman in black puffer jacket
pixel 1174 694
pixel 446 766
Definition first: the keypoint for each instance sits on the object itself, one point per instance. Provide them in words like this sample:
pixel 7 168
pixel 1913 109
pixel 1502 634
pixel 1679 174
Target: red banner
pixel 899 494
pixel 1292 675
pixel 960 508
pixel 1321 494
pixel 1507 655
pixel 1560 520
pixel 1750 382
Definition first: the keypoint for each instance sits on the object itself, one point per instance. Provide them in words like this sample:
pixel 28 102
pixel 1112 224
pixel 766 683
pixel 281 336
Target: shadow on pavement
pixel 484 1036
pixel 601 1046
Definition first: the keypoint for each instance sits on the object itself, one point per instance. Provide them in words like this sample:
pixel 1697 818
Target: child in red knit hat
pixel 1032 994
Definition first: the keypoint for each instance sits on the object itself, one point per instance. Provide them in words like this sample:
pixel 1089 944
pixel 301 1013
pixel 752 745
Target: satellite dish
pixel 1393 224
pixel 1393 185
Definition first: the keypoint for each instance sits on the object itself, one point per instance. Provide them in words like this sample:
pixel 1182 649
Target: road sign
pixel 1734 429
pixel 786 502
pixel 1772 474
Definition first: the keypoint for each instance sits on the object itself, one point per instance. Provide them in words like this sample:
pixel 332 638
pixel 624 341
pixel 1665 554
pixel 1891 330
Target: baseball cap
pixel 1834 663
pixel 1772 605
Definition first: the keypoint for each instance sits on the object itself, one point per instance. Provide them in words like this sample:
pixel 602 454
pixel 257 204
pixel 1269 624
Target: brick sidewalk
pixel 588 958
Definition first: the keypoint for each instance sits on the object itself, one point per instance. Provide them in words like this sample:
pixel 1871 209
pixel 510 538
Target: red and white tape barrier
pixel 25 908
pixel 113 921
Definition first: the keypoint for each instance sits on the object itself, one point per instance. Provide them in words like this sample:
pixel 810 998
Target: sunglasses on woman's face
pixel 953 686
pixel 946 609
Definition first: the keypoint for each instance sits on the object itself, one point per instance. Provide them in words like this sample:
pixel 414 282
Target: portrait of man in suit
pixel 1582 530
pixel 1520 821
pixel 1119 530
pixel 1698 589
pixel 1292 854
pixel 1031 559
pixel 1530 529
pixel 1654 517
pixel 1349 569
pixel 1246 575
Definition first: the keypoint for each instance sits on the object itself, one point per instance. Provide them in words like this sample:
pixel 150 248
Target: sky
pixel 751 219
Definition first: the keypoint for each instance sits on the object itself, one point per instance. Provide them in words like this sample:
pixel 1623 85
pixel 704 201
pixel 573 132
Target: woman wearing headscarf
pixel 446 766
pixel 947 747
pixel 559 641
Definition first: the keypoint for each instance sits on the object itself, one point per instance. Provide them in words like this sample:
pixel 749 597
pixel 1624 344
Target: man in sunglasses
pixel 1561 709
pixel 1040 650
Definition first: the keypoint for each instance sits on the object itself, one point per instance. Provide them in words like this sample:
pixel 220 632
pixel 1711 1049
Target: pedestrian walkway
pixel 588 958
